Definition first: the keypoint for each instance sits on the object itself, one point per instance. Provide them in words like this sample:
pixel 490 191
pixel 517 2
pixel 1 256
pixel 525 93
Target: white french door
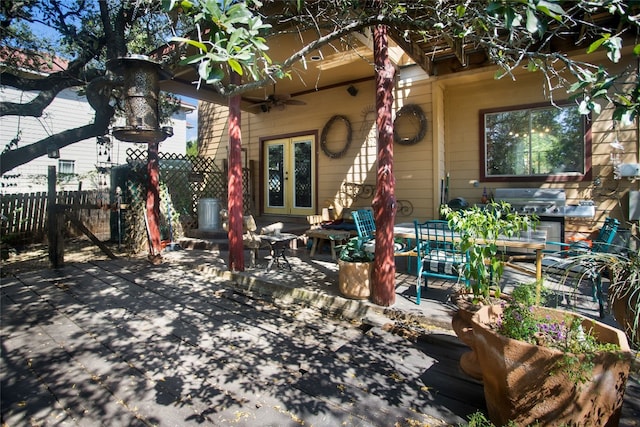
pixel 290 176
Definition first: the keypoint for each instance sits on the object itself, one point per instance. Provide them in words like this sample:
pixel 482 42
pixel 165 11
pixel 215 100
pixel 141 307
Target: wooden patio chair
pixel 573 263
pixel 438 254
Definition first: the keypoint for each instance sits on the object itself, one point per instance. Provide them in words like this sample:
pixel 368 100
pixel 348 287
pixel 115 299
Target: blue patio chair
pixel 365 225
pixel 366 229
pixel 438 255
pixel 572 262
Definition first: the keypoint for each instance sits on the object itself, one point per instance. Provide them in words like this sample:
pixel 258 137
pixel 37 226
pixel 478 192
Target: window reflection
pixel 539 141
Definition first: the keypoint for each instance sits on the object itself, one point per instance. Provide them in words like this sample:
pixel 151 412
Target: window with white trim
pixel 66 166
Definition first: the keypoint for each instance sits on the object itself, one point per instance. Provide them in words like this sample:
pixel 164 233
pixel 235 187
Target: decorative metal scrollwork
pixel 405 208
pixel 355 190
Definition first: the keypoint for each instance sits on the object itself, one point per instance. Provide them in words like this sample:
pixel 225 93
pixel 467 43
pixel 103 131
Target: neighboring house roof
pixel 27 62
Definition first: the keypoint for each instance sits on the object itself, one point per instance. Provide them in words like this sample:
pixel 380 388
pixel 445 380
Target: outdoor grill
pixel 538 201
pixel 544 202
pixel 549 204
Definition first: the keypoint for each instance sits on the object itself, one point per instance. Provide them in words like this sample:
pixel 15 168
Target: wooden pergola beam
pixel 413 50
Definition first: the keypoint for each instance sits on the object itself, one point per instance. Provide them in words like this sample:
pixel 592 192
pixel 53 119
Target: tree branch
pixel 13 158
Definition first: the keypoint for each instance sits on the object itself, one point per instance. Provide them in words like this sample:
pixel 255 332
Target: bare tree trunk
pixel 236 249
pixel 384 202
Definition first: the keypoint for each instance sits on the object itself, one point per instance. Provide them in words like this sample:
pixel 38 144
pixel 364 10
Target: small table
pixel 318 235
pixel 278 244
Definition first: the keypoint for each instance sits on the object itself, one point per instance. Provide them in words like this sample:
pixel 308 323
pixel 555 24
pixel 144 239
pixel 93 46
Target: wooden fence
pixel 24 216
pixel 188 179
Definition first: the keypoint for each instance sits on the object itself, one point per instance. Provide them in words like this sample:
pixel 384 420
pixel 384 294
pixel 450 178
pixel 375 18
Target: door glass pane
pixel 275 175
pixel 302 174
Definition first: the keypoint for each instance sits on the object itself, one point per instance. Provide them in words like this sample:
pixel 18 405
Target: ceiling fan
pixel 274 101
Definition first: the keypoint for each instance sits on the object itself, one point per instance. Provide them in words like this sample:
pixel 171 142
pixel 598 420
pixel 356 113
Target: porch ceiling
pixel 351 60
pixel 339 63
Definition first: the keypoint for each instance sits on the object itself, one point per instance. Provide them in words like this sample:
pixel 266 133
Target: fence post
pixel 54 232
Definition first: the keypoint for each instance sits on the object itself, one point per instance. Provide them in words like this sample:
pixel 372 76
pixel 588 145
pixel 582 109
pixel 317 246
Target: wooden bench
pixel 333 236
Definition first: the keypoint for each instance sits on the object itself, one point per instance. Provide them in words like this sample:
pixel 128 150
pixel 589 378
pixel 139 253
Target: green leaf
pixel 554 10
pixel 636 50
pixel 614 49
pixel 192 59
pixel 460 10
pixel 599 93
pixel 235 65
pixel 510 18
pixel 623 99
pixel 193 43
pixel 532 21
pixel 493 7
pixel 215 75
pixel 596 44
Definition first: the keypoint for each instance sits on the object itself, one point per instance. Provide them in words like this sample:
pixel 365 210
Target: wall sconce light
pixel 353 91
pixel 53 152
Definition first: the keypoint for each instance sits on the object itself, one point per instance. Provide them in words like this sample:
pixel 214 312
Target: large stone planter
pixel 461 324
pixel 523 383
pixel 354 279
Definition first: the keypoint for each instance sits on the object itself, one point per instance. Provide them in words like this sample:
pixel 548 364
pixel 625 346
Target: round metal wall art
pixel 416 111
pixel 325 131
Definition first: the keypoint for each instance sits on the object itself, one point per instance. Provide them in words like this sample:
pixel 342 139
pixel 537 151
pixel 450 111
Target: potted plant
pixel 624 293
pixel 354 269
pixel 541 365
pixel 487 224
pixel 622 267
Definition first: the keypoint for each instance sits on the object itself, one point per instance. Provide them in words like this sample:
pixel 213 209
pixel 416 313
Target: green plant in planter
pixel 487 225
pixel 529 354
pixel 354 251
pixel 520 321
pixel 623 293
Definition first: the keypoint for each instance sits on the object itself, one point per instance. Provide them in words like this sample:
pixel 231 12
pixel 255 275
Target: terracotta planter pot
pixel 522 382
pixel 354 279
pixel 462 326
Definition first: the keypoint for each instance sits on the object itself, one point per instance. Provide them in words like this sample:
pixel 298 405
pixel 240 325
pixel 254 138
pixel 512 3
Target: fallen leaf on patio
pixel 396 377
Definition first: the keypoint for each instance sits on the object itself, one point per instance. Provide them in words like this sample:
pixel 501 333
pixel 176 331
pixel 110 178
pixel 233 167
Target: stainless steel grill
pixel 544 202
pixel 539 201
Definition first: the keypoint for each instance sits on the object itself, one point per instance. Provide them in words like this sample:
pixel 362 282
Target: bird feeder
pixel 141 92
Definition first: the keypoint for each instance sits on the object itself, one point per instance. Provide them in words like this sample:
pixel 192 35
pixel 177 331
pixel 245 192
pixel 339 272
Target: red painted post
pixel 384 202
pixel 236 248
pixel 153 201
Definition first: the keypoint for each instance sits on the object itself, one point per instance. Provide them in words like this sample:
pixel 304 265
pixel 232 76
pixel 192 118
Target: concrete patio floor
pixel 188 343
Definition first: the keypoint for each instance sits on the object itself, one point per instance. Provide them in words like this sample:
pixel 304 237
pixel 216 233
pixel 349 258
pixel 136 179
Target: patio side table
pixel 332 236
pixel 278 244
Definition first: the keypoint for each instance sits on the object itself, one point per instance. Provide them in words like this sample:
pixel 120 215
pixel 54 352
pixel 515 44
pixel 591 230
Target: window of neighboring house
pixel 66 166
pixel 534 143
